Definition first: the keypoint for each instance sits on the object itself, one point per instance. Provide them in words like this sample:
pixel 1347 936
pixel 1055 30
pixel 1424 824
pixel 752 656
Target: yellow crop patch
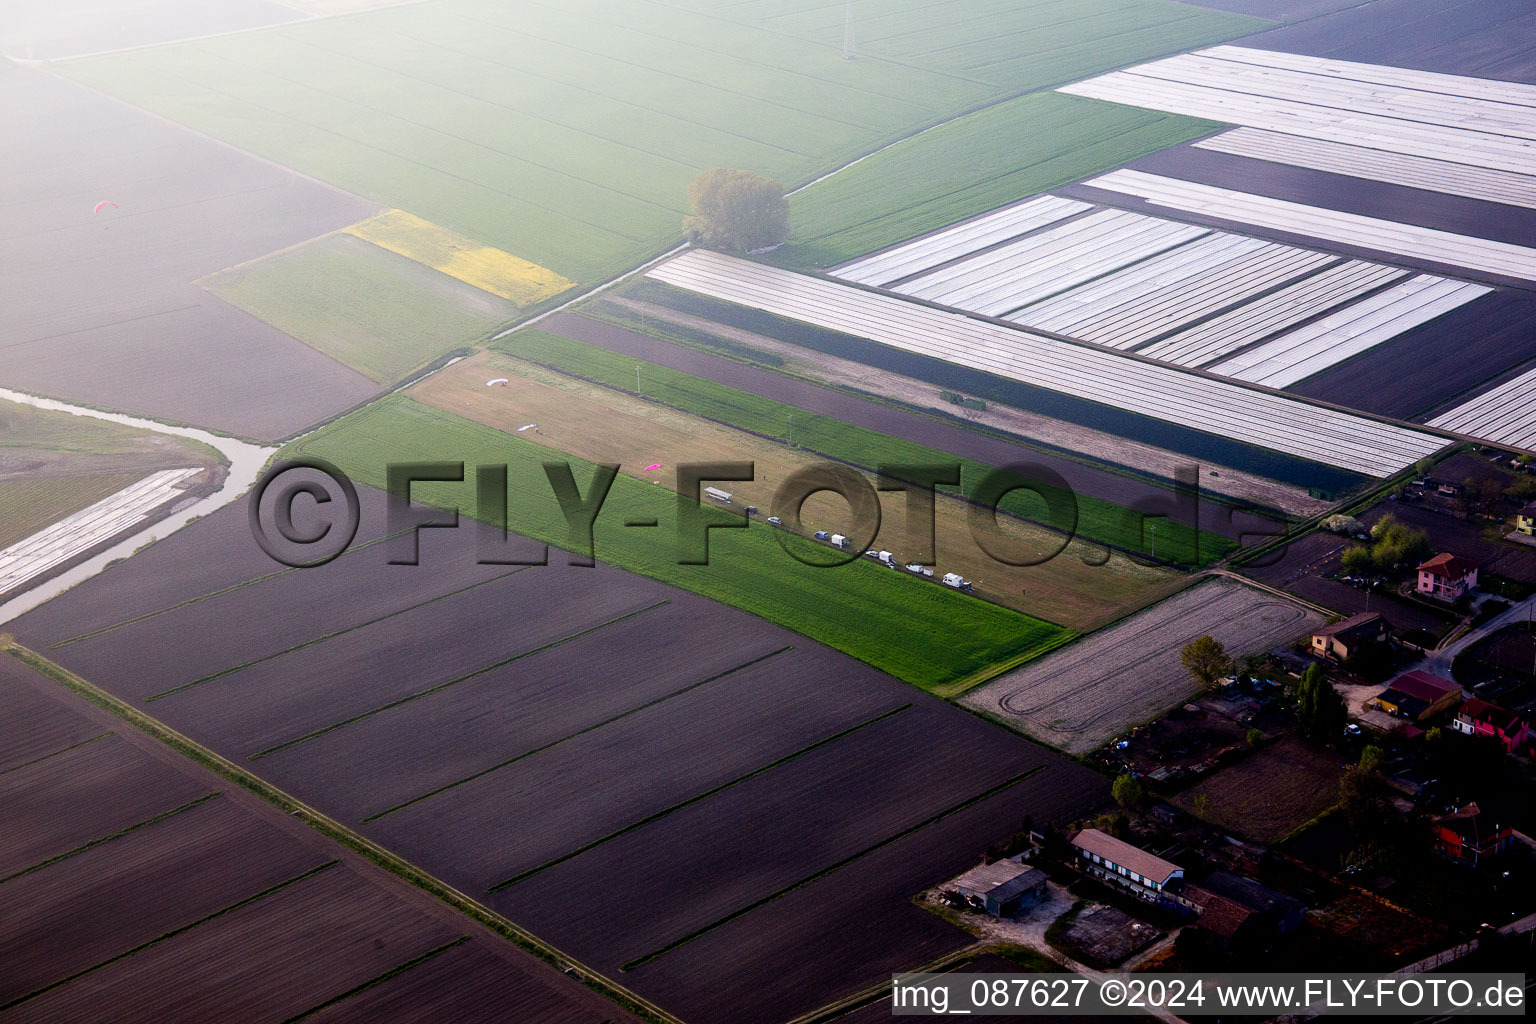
pixel 488 269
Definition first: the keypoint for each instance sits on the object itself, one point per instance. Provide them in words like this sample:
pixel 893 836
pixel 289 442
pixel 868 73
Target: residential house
pixel 1447 577
pixel 1525 520
pixel 1479 718
pixel 1417 696
pixel 1469 835
pixel 1001 888
pixel 1112 860
pixel 1348 636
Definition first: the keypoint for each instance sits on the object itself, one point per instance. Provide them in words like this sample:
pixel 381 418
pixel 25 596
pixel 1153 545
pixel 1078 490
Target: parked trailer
pixel 723 497
pixel 839 541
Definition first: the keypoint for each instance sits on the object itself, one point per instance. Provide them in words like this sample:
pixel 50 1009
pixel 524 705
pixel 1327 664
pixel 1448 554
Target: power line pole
pixel 849 49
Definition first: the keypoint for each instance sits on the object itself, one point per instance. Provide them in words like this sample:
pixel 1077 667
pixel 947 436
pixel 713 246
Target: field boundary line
pixel 198 599
pixel 324 637
pixel 740 912
pixel 429 691
pixel 379 979
pixel 580 732
pixel 174 932
pixel 103 840
pixel 334 830
pixel 56 753
pixel 697 797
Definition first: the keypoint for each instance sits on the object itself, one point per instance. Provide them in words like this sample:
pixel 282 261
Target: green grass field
pixel 567 133
pixel 1098 520
pixel 377 312
pixel 30 505
pixel 920 632
pixel 969 166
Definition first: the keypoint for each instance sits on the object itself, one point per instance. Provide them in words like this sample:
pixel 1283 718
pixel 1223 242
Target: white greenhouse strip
pixel 74 535
pixel 1353 97
pixel 1253 322
pixel 1261 418
pixel 1374 165
pixel 1379 74
pixel 951 243
pixel 1179 302
pixel 1348 228
pixel 1134 285
pixel 1309 350
pixel 1290 117
pixel 1504 415
pixel 1001 281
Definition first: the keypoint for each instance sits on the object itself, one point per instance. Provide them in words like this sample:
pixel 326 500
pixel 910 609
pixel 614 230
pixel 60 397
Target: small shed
pixel 1001 888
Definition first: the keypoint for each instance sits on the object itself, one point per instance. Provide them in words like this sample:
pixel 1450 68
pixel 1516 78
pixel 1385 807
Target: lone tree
pixel 1206 659
pixel 736 210
pixel 1319 709
pixel 1128 791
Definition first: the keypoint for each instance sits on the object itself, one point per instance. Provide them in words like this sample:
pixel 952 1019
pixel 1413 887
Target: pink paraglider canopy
pixel 104 202
pixel 653 466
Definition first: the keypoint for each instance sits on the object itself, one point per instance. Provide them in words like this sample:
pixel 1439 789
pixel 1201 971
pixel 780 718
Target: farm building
pixel 1417 696
pixel 1470 835
pixel 1130 867
pixel 1347 636
pixel 1447 577
pixel 1480 718
pixel 1240 911
pixel 1001 889
pixel 1525 520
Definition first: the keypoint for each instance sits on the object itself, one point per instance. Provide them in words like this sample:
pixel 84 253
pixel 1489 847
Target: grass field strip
pixel 1126 280
pixel 580 732
pixel 408 698
pixel 231 670
pixel 173 933
pixel 93 525
pixel 1458 120
pixel 1297 355
pixel 1404 169
pixel 697 797
pixel 482 266
pixel 1479 254
pixel 1504 415
pixel 971 801
pixel 1227 410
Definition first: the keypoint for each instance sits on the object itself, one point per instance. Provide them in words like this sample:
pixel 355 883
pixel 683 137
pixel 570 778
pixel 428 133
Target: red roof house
pixel 1480 718
pixel 1470 835
pixel 1447 577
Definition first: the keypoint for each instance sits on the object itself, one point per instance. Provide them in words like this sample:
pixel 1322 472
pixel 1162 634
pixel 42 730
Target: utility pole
pixel 849 49
pixel 789 432
pixel 637 378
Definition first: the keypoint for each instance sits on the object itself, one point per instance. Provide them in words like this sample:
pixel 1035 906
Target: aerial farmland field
pixel 514 712
pixel 1084 696
pixel 102 309
pixel 566 135
pixel 137 879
